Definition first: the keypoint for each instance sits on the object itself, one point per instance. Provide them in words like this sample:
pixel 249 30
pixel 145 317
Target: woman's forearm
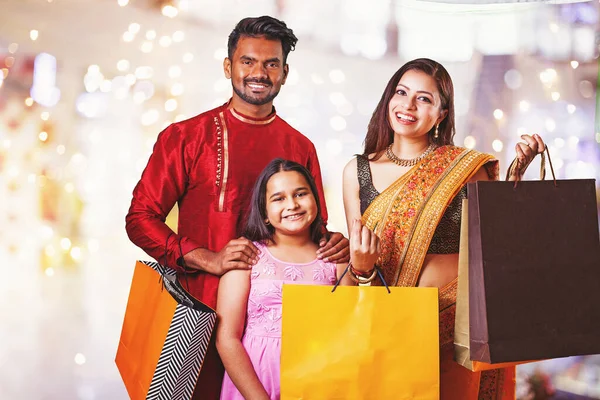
pixel 240 369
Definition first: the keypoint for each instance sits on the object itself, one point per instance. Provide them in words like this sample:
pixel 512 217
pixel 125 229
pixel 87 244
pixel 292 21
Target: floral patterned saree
pixel 405 217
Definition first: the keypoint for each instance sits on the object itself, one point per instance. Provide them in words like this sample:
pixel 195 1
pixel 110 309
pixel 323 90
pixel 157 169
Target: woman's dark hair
pixel 266 26
pixel 256 229
pixel 380 133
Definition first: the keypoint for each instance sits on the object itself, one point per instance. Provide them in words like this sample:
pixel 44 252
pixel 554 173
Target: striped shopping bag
pixel 165 336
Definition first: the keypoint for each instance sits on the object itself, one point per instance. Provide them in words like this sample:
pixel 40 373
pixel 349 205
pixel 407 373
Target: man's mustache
pixel 263 81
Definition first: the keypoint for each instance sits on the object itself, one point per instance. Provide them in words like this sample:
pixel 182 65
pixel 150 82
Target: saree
pixel 405 217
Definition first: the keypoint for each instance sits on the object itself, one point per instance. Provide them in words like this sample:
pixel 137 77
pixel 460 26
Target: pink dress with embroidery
pixel 262 335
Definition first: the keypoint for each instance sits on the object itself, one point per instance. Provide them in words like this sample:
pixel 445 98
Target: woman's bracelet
pixel 362 277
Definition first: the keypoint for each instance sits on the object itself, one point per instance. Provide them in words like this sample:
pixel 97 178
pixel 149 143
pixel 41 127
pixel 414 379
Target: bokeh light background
pixel 87 85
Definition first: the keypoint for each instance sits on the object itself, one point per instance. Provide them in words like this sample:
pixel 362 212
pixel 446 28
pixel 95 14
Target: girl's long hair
pixel 256 229
pixel 379 131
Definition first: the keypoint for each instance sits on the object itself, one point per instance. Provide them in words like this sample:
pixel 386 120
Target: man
pixel 208 165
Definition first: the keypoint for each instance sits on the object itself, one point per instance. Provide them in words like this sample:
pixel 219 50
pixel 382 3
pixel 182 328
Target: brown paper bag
pixel 462 351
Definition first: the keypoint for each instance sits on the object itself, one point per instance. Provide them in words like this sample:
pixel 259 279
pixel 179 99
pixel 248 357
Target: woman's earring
pixel 267 222
pixel 436 134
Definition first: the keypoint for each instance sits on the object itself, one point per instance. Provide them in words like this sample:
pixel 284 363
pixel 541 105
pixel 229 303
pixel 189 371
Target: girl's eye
pixel 301 194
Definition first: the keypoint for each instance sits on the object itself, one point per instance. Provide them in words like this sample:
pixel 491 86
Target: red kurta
pixel 208 166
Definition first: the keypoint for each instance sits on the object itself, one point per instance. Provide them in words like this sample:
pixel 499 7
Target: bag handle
pixel 516 165
pixel 348 268
pixel 161 278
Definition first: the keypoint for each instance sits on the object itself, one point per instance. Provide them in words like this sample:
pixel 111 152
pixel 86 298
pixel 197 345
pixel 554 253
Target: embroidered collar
pixel 250 120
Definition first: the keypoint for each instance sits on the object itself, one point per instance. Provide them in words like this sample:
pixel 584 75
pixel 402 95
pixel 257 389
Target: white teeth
pixel 406 117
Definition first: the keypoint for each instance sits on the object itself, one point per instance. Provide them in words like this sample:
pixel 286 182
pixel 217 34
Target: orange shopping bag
pixel 165 336
pixel 359 343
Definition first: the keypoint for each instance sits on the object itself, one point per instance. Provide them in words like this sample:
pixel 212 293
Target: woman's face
pixel 416 106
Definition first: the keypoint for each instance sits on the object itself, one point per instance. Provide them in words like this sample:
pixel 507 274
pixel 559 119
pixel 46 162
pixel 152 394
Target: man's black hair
pixel 266 26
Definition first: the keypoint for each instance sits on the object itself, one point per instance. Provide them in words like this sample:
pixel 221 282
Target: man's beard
pixel 253 100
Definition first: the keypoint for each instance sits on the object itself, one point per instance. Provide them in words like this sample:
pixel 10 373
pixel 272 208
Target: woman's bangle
pixel 359 278
pixel 361 273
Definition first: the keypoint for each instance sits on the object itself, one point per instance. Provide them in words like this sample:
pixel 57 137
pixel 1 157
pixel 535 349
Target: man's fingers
pixel 249 251
pixel 341 256
pixel 237 265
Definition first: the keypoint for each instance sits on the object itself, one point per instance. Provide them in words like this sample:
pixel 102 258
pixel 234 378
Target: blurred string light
pixel 555 96
pixel 338 123
pixel 43 90
pixel 143 72
pixel 134 28
pixel 178 36
pixel 337 76
pixel 128 36
pixel 571 108
pixel 146 47
pixel 574 64
pixel 548 76
pixel 123 65
pixel 470 142
pixel 513 79
pixel 165 41
pixel 174 71
pixel 151 34
pixel 122 3
pixel 45 116
pixel 498 114
pixel 187 58
pixel 12 48
pixel 169 10
pixel 177 89
pixel 497 145
pixel 34 34
pixel 524 105
pixel 550 125
pixel 171 105
pixel 29 102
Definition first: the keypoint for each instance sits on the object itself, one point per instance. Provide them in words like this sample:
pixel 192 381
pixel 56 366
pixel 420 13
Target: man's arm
pixel 163 182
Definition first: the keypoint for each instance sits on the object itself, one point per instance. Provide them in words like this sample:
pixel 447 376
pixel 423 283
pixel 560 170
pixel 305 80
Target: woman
pixel 408 186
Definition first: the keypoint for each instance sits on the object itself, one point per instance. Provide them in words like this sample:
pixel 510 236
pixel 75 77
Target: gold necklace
pixel 408 163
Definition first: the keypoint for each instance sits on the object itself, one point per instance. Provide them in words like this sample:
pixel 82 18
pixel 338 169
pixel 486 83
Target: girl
pixel 285 225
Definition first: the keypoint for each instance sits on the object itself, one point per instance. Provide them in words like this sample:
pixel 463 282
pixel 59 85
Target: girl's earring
pixel 436 134
pixel 267 222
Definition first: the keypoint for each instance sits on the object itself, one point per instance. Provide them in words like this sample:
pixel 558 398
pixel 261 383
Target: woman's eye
pixel 425 99
pixel 401 92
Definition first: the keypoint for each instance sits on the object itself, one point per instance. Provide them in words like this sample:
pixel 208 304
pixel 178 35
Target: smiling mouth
pixel 405 117
pixel 294 217
pixel 257 85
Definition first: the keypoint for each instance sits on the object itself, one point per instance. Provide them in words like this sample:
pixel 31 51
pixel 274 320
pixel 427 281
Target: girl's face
pixel 416 106
pixel 291 205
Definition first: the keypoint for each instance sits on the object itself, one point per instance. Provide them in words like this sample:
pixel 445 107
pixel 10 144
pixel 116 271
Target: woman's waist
pixel 438 270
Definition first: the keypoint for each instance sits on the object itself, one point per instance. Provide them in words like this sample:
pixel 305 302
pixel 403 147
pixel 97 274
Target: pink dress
pixel 262 336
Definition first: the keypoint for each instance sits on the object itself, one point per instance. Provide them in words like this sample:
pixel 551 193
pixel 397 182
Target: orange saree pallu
pixel 405 217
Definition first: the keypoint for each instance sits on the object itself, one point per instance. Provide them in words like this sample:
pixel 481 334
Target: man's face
pixel 256 70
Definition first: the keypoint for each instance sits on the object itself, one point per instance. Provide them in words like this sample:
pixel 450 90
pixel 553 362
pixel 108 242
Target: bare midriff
pixel 438 270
